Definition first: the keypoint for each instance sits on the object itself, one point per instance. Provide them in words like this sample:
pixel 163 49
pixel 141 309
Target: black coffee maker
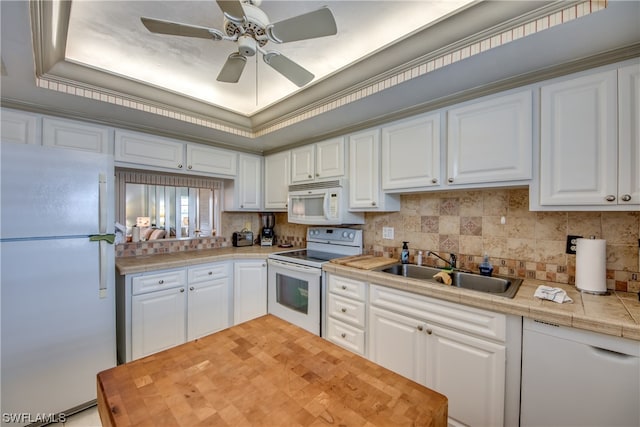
pixel 267 236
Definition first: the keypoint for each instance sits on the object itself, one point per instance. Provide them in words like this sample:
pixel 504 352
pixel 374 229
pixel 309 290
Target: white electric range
pixel 295 277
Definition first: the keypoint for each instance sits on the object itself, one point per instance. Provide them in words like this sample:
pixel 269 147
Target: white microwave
pixel 321 203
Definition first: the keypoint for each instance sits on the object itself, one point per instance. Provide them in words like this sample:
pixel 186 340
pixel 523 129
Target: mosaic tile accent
pixel 419 68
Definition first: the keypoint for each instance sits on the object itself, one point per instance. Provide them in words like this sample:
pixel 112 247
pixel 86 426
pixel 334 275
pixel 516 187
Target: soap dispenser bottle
pixel 404 255
pixel 486 269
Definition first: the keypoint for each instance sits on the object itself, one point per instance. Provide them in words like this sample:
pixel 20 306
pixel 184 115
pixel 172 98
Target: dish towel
pixel 552 294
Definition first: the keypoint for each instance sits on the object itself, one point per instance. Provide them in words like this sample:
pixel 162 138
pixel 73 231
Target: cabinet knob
pixel 264 265
pixel 626 197
pixel 190 167
pixel 344 288
pixel 210 273
pixel 343 335
pixel 450 180
pixel 191 288
pixel 429 331
pixel 181 289
pixel 241 206
pixel 610 198
pixel 180 166
pixel 344 310
pixel 309 176
pixel 160 282
pixel 317 174
pixel 420 328
pixel 373 203
pixel 434 181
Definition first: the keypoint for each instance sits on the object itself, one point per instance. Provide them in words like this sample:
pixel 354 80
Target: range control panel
pixel 335 235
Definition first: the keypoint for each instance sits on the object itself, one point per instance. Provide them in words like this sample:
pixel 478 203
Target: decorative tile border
pixel 429 65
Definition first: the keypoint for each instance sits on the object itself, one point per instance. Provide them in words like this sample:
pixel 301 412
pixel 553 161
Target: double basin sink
pixel 495 285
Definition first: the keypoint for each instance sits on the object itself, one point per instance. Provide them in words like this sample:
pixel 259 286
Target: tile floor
pixel 87 418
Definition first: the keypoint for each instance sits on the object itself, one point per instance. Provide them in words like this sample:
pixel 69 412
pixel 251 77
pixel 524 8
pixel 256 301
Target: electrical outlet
pixel 387 233
pixel 571 244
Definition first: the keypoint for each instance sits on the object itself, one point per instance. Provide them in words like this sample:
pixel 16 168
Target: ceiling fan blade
pixel 175 29
pixel 310 25
pixel 294 72
pixel 232 8
pixel 232 68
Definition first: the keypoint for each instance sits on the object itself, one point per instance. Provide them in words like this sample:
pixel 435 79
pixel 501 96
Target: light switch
pixel 387 233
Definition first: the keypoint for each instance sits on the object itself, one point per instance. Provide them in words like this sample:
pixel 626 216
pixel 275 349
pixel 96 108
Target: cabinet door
pixel 208 308
pixel 629 135
pixel 277 170
pixel 19 127
pixel 157 321
pixel 250 290
pixel 490 140
pixel 470 372
pixel 148 150
pixel 77 136
pixel 397 342
pixel 411 153
pixel 201 158
pixel 303 162
pixel 578 141
pixel 249 182
pixel 364 175
pixel 330 158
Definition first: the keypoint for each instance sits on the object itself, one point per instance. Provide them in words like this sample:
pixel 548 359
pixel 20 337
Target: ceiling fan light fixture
pixel 246 46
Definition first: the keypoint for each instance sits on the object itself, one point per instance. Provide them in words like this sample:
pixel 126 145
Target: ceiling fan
pixel 247 25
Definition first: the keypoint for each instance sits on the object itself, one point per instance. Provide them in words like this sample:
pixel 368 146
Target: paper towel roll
pixel 591 271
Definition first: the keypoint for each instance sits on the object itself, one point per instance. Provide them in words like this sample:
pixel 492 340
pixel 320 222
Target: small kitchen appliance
pixel 295 279
pixel 267 236
pixel 242 238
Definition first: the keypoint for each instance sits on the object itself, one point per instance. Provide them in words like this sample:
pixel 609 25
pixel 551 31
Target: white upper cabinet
pixel 411 153
pixel 76 135
pixel 19 127
pixel 245 192
pixel 589 142
pixel 490 140
pixel 201 158
pixel 365 189
pixel 277 176
pixel 629 135
pixel 318 161
pixel 149 150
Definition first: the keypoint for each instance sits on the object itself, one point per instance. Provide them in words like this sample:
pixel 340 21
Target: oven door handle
pixel 295 267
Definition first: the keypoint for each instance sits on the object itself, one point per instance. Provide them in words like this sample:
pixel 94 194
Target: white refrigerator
pixel 57 279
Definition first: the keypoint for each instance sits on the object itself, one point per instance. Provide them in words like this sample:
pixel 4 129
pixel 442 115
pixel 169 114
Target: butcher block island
pixel 263 372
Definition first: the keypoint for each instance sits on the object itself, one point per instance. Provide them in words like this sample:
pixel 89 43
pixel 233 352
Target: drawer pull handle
pixel 160 282
pixel 343 335
pixel 344 310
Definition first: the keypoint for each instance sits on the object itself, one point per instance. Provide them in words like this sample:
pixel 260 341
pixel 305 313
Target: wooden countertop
pixel 262 372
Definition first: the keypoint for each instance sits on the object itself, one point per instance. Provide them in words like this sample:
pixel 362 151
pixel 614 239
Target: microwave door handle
pixel 327 199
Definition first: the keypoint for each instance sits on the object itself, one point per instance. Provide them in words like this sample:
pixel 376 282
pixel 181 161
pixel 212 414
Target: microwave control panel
pixel 333 205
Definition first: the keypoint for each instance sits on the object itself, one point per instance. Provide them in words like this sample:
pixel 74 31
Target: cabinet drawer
pixel 156 282
pixel 345 336
pixel 475 321
pixel 346 309
pixel 207 272
pixel 347 287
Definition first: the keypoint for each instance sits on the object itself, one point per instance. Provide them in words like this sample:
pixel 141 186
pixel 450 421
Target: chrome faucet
pixel 452 258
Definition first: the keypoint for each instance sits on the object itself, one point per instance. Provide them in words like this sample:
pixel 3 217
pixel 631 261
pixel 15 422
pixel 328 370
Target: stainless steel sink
pixel 495 285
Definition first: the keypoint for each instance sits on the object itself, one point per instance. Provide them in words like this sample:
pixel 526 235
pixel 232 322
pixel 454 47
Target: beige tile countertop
pixel 615 314
pixel 140 264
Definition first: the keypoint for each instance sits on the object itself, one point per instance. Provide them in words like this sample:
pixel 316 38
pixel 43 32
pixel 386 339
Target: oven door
pixel 294 294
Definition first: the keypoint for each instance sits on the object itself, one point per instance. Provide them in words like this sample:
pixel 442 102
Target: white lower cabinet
pixel 456 350
pixel 250 290
pixel 346 313
pixel 162 309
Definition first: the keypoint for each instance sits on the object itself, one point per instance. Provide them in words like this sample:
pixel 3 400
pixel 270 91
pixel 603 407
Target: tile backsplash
pixel 468 223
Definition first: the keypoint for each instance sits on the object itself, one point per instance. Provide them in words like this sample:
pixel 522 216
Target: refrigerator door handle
pixel 103 268
pixel 102 203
